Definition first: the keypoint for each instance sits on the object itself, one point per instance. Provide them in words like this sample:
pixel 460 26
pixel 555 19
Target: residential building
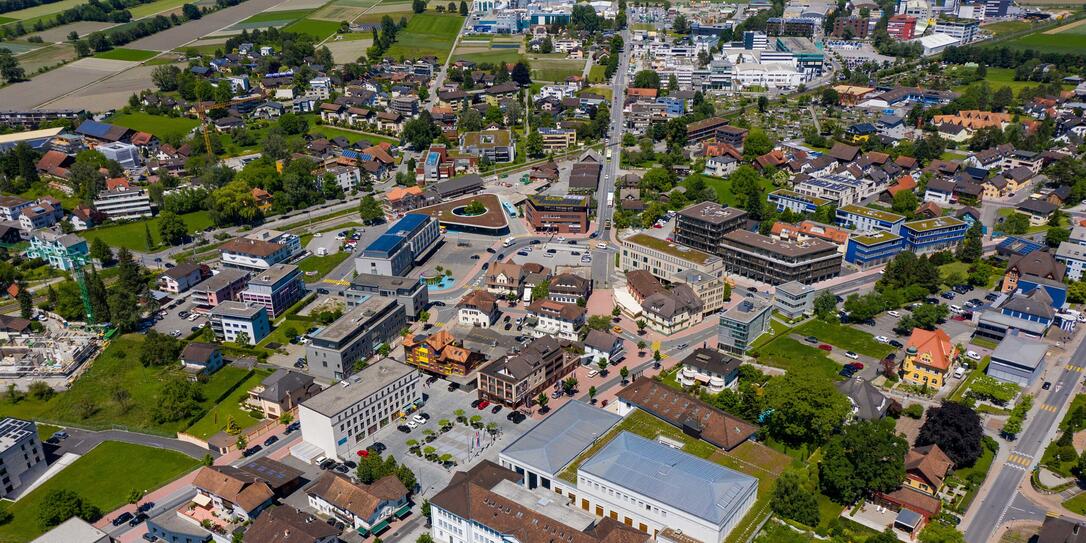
pixel 229 320
pixel 488 505
pixel 346 177
pixel 709 368
pixel 873 249
pixel 926 469
pixel 59 250
pixel 558 139
pixel 505 278
pixel 126 154
pixel 928 358
pixel 703 226
pixel 336 422
pixel 794 299
pixel 773 261
pixel 123 203
pixel 200 358
pixel 42 214
pixel 478 308
pixel 568 288
pixel 800 203
pixel 1073 256
pixel 721 166
pixel 222 287
pixel 550 318
pixel 515 380
pixel 645 483
pixel 495 145
pixel 901 26
pixel 600 345
pixel 805 230
pixel 666 260
pixel 334 349
pixel 275 289
pixel 671 310
pixel 182 277
pixel 866 219
pixel 172 527
pixel 285 524
pixel 411 293
pixel 281 392
pixel 540 454
pixel 21 455
pixel 74 530
pixel 1019 360
pixel 932 235
pixel 557 214
pixel 1025 272
pixel 11 207
pixel 704 129
pixel 253 254
pixel 584 176
pixel 366 508
pixel 440 353
pixel 742 324
pixel 241 493
pixel 407 243
pixel 868 403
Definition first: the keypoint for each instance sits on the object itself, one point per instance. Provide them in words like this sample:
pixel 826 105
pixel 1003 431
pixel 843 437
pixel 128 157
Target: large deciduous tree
pixel 807 409
pixel 956 429
pixel 865 457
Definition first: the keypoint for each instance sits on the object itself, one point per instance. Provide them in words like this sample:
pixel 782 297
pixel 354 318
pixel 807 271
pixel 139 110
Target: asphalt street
pixel 993 505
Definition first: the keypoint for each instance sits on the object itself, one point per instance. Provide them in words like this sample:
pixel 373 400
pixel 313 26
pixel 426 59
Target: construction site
pixel 54 356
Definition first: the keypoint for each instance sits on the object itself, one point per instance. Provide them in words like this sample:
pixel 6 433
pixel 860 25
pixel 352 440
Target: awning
pixel 363 532
pixel 403 511
pixel 201 500
pixel 380 526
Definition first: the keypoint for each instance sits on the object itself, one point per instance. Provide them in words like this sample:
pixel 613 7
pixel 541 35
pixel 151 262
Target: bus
pixel 608 154
pixel 610 199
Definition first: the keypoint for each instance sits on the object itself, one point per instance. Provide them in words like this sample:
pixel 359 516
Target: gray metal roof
pixel 558 439
pixel 699 487
pixel 1020 351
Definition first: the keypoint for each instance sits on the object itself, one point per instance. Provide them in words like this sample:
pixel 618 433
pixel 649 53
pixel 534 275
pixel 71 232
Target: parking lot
pixel 559 254
pixel 176 320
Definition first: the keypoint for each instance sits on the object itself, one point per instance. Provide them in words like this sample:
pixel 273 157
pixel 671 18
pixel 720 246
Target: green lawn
pixel 120 53
pixel 41 189
pixel 46 431
pixel 723 188
pixel 271 16
pixel 974 475
pixel 6 20
pixel 1004 77
pixel 315 28
pixel 1008 211
pixel 981 368
pixel 132 235
pixel 91 401
pixel 845 337
pixel 1076 504
pixel 159 125
pixel 216 418
pixel 1006 27
pixel 789 354
pixel 352 136
pixel 427 34
pixel 777 329
pixel 105 476
pixel 321 264
pixel 493 57
pixel 556 70
pixel 597 73
pixel 1063 42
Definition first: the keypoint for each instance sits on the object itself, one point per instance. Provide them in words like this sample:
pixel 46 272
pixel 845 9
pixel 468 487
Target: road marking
pixel 1074 368
pixel 1049 408
pixel 1020 460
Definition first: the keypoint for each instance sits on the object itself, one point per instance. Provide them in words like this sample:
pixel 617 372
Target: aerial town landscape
pixel 542 271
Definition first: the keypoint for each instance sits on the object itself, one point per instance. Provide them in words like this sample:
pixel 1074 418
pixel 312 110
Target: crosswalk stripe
pixel 1074 368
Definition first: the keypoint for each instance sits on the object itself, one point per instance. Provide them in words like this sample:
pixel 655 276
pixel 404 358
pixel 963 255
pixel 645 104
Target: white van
pixel 957 309
pixel 508 242
pixel 959 373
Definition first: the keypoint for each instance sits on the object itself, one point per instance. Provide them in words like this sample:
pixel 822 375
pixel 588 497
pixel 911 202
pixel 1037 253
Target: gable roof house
pixel 243 492
pixel 366 508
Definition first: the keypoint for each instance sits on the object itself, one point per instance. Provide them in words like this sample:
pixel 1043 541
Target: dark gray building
pixel 774 261
pixel 411 293
pixel 703 226
pixel 356 335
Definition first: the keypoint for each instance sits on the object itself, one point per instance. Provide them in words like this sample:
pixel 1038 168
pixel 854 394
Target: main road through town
pixel 997 499
pixel 602 267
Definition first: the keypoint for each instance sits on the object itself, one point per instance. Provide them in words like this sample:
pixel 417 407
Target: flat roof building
pixel 410 292
pixel 333 350
pixel 703 225
pixel 21 454
pixel 773 261
pixel 405 244
pixel 229 320
pixel 558 214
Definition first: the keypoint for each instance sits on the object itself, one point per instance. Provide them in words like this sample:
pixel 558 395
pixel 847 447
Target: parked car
pixel 593 373
pixel 972 355
pixel 252 450
pixel 847 372
pixel 138 519
pixel 148 537
pixel 496 409
pixel 826 347
pixel 403 428
pixel 894 314
pixel 851 355
pixel 534 242
pixel 882 339
pixel 475 403
pixel 1047 385
pixel 122 518
pixel 268 442
pixel 810 339
pixel 948 295
pixel 857 365
pixel 327 463
pixel 453 386
pixel 897 344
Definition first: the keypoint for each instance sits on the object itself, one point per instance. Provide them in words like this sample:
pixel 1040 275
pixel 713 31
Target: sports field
pixel 427 34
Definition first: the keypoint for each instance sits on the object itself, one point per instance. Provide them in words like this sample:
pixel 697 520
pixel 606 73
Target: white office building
pixel 336 422
pixel 231 319
pixel 124 203
pixel 21 457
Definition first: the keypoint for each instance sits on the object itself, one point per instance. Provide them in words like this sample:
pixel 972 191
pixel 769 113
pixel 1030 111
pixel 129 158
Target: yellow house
pixel 928 357
pixel 926 468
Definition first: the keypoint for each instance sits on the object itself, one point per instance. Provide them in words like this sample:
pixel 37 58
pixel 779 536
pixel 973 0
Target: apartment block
pixel 333 350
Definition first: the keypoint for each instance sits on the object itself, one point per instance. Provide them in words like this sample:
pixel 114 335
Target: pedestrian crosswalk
pixel 1020 460
pixel 1072 367
pixel 1049 408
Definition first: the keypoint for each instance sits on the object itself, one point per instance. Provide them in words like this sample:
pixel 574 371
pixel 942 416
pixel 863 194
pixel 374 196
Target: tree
pixel 172 228
pixel 905 202
pixel 166 77
pixel 369 209
pixel 956 429
pixel 418 6
pixel 825 305
pixel 534 144
pixel 937 532
pixel 624 373
pixel 179 400
pixel 794 502
pixel 1016 223
pixel 806 409
pixel 521 74
pixel 867 456
pixel 646 79
pixel 601 363
pixel 159 349
pixel 592 393
pixel 1056 236
pixel 101 252
pixel 463 8
pixel 10 69
pixel 61 504
pixel 830 97
pixel 40 390
pixel 757 143
pixel 26 303
pixel 190 12
pixel 972 248
pixel 148 241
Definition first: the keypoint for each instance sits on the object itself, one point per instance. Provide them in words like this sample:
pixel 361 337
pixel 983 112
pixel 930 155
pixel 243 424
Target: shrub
pixel 913 411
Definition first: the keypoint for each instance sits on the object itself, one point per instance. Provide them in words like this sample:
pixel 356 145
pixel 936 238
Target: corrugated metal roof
pixel 561 437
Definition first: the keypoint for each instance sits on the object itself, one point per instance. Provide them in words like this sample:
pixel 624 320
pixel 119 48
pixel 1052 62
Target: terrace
pixel 670 248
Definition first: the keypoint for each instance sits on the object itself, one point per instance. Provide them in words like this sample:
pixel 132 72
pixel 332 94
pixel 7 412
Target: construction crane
pixel 201 113
pixel 68 259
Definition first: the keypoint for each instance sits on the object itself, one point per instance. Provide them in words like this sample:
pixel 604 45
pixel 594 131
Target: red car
pixel 857 365
pixel 483 404
pixel 826 347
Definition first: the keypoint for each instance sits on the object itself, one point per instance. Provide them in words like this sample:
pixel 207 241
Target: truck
pixel 610 199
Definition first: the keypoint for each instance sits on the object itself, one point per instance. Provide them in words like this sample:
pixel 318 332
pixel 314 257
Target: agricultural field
pixel 19 47
pixel 427 34
pixel 315 28
pixel 47 56
pixel 161 6
pixel 42 10
pixel 1070 38
pixel 95 477
pixel 348 50
pixel 270 19
pixel 112 92
pixel 1006 27
pixel 373 17
pixel 158 125
pixel 121 53
pixel 55 83
pixel 60 33
pixel 1004 77
pixel 343 10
